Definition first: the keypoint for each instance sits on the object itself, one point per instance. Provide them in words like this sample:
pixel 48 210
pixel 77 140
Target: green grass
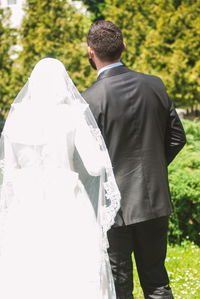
pixel 183 265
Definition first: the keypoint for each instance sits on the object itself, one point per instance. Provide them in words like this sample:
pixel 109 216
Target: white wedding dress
pixel 52 237
pixel 51 247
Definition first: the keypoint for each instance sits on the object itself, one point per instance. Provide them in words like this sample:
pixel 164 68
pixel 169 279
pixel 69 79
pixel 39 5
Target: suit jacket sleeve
pixel 175 135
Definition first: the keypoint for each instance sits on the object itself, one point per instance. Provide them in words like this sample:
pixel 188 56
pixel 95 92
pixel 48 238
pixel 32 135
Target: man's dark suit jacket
pixel 143 134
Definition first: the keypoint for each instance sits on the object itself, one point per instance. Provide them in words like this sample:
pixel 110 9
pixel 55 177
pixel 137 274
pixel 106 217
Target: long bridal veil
pixel 39 116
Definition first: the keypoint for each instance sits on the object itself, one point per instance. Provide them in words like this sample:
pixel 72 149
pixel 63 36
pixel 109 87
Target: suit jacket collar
pixel 113 72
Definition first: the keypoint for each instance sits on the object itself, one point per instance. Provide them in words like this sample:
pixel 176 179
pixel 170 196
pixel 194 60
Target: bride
pixel 58 195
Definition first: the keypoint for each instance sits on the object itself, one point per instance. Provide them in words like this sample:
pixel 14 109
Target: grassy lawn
pixel 183 265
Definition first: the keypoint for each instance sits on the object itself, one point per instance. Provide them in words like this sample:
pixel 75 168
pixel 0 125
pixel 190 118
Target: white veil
pixel 45 96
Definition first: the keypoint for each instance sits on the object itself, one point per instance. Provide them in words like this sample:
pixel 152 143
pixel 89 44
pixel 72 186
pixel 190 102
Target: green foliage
pixel 183 265
pixel 95 7
pixel 163 38
pixel 53 28
pixel 184 178
pixel 7 41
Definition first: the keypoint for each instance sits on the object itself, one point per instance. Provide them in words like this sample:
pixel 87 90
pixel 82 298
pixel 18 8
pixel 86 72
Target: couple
pixel 60 207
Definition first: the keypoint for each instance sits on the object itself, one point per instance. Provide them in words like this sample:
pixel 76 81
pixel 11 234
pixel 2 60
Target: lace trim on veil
pixel 111 198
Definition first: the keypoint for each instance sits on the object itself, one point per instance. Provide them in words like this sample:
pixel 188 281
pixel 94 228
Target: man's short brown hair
pixel 106 40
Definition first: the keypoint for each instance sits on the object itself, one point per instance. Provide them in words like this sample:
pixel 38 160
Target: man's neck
pixel 101 64
pixel 109 66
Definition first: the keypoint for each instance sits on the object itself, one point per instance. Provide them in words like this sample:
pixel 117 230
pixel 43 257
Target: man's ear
pixel 90 52
pixel 124 43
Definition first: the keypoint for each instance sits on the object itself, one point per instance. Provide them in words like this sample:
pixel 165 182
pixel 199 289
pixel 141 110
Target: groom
pixel 143 135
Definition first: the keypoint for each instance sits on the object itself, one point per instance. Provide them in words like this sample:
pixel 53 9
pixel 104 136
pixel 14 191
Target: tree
pixel 54 28
pixel 163 38
pixel 95 7
pixel 7 41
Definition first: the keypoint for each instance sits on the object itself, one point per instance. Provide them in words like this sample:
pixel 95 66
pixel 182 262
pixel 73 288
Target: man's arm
pixel 175 135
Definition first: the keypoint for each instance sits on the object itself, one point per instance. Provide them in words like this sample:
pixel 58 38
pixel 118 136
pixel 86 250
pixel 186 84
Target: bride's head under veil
pixel 49 84
pixel 39 109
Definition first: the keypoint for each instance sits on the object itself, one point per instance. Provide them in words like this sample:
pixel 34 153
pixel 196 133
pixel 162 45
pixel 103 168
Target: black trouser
pixel 148 241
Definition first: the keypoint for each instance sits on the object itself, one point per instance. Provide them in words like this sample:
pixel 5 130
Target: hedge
pixel 184 178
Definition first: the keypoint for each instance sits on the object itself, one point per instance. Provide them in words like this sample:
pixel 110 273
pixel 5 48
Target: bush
pixel 184 178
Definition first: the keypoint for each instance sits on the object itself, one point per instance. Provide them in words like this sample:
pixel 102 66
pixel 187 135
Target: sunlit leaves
pixel 7 42
pixel 54 28
pixel 163 38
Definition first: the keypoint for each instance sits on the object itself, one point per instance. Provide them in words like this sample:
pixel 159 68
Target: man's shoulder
pixel 141 80
pixel 147 82
pixel 138 77
pixel 92 92
pixel 147 77
pixel 96 84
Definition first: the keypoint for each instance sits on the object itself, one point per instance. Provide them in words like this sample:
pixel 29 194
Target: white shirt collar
pixel 109 66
